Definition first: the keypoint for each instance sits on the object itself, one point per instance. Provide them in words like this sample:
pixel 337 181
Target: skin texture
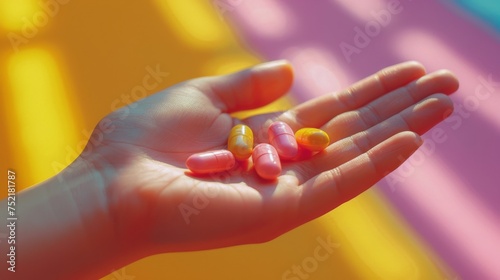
pixel 129 194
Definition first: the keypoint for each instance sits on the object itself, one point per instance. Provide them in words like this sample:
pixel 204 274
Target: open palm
pixel 373 126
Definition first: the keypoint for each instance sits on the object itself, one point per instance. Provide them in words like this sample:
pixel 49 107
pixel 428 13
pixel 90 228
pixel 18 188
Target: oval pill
pixel 211 162
pixel 266 161
pixel 282 138
pixel 312 139
pixel 240 142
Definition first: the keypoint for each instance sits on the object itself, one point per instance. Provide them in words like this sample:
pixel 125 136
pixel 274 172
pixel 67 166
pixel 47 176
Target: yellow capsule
pixel 312 139
pixel 240 142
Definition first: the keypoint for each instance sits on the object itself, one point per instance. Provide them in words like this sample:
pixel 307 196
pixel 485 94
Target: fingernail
pixel 418 140
pixel 273 76
pixel 447 113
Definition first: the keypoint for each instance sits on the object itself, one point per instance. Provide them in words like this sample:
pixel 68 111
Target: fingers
pixel 333 187
pixel 316 112
pixel 418 118
pixel 349 123
pixel 250 88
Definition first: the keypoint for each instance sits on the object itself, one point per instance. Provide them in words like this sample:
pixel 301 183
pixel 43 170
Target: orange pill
pixel 240 142
pixel 312 139
pixel 211 162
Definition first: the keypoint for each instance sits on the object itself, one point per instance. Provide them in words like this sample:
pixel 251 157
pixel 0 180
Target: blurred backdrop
pixel 65 64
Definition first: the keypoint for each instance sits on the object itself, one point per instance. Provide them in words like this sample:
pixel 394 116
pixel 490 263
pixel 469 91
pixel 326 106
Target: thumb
pixel 250 88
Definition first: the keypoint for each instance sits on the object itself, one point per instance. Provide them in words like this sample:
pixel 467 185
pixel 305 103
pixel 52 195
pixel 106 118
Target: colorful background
pixel 65 64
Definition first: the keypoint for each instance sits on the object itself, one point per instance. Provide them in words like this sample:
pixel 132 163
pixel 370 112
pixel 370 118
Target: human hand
pixel 156 205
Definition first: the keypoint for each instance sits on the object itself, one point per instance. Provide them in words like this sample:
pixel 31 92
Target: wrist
pixel 65 230
pixel 108 249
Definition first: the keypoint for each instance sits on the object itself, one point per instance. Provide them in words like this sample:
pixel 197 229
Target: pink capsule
pixel 281 136
pixel 211 162
pixel 266 161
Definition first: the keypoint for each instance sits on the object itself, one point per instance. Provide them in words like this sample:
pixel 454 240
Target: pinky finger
pixel 331 188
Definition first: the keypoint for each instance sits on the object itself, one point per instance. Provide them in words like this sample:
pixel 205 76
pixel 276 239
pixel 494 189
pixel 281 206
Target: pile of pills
pixel 284 144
